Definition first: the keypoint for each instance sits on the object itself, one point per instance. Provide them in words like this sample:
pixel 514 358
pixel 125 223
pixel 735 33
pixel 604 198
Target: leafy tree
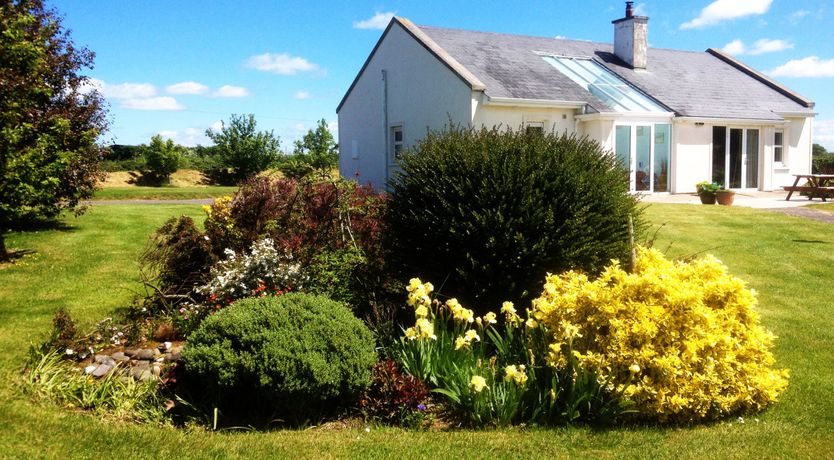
pixel 241 151
pixel 49 117
pixel 818 151
pixel 162 158
pixel 317 151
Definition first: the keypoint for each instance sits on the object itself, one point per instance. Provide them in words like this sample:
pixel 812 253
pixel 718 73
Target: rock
pixel 156 370
pixel 164 332
pixel 102 370
pixel 146 354
pixel 104 359
pixel 142 364
pixel 167 345
pixel 141 372
pixel 132 352
pixel 156 352
pixel 119 356
pixel 89 369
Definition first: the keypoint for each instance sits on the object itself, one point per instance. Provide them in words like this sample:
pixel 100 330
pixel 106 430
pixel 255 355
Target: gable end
pixel 433 48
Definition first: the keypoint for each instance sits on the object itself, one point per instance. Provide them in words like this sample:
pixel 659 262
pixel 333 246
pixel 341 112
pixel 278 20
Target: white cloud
pixel 333 127
pixel 231 91
pixel 824 133
pixel 128 90
pixel 378 21
pixel 735 47
pixel 187 87
pixel 153 103
pixel 640 10
pixel 797 16
pixel 216 126
pixel 282 64
pixel 762 46
pixel 90 85
pixel 189 137
pixel 301 95
pixel 724 10
pixel 809 67
pixel 769 46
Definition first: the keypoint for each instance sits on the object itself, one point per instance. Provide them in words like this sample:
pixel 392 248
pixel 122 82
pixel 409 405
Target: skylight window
pixel 604 84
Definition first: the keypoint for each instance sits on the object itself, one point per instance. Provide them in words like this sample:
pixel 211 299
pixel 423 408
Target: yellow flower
pixel 461 342
pixel 490 318
pixel 634 368
pixel 411 333
pixel 421 311
pixel 516 374
pixel 477 383
pixel 459 313
pixel 471 335
pixel 571 330
pixel 425 328
pixel 531 323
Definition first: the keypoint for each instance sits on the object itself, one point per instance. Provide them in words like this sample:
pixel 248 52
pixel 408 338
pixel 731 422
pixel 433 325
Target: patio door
pixel 644 150
pixel 735 157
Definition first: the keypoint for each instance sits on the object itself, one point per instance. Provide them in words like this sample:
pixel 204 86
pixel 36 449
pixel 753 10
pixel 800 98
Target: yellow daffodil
pixel 477 383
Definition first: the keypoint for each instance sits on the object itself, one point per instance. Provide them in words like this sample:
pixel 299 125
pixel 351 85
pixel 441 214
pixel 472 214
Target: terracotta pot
pixel 707 197
pixel 725 197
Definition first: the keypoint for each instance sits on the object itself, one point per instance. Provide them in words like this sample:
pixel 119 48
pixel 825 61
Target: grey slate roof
pixel 692 84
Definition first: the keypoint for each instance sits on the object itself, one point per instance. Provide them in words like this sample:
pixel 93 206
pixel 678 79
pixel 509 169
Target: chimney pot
pixel 629 9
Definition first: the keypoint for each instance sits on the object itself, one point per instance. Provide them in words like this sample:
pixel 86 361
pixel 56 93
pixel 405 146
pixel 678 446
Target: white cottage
pixel 675 117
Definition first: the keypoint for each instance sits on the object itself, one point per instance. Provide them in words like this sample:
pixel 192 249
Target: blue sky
pixel 178 67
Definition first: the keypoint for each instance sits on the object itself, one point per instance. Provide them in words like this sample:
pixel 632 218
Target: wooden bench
pixel 816 185
pixel 822 192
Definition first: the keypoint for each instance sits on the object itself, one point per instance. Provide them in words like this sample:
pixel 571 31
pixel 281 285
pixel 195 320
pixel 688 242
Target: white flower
pixel 69 351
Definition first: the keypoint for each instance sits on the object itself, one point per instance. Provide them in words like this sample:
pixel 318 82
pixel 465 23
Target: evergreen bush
pixel 295 357
pixel 487 213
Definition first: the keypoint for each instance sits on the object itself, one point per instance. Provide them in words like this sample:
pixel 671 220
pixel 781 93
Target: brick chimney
pixel 631 38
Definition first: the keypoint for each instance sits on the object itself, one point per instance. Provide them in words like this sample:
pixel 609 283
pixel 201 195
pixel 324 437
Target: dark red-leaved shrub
pixel 393 395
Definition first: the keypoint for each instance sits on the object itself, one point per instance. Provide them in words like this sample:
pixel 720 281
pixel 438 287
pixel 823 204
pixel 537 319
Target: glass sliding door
pixel 735 157
pixel 719 154
pixel 644 158
pixel 734 160
pixel 645 151
pixel 662 154
pixel 752 159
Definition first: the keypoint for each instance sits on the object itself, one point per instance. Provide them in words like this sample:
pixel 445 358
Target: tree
pixel 316 151
pixel 162 158
pixel 49 117
pixel 818 151
pixel 241 151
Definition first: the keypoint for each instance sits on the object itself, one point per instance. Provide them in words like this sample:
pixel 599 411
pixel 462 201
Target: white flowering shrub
pixel 261 271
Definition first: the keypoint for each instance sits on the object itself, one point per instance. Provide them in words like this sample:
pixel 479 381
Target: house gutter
pixel 547 103
pixel 730 121
pixel 625 115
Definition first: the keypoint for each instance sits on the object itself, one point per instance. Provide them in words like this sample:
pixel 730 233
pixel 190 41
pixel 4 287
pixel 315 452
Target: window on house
pixel 536 127
pixel 396 142
pixel 779 146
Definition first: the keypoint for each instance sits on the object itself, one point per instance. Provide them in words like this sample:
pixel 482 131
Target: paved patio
pixel 760 200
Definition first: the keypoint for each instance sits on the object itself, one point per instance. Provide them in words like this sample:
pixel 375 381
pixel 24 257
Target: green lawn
pixel 162 193
pixel 89 266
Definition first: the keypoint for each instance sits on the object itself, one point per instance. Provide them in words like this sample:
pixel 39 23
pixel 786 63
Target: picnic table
pixel 817 185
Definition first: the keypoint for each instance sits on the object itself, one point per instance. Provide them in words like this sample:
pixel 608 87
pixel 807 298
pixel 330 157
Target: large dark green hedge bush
pixel 485 214
pixel 294 357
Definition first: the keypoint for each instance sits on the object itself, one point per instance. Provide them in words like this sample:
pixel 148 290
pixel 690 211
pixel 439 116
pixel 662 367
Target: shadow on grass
pixel 37 225
pixel 813 241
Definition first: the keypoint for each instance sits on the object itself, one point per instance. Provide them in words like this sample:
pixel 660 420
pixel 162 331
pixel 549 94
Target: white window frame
pixel 534 124
pixel 393 153
pixel 782 162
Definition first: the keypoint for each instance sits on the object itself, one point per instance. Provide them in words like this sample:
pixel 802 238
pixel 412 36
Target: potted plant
pixel 706 191
pixel 725 196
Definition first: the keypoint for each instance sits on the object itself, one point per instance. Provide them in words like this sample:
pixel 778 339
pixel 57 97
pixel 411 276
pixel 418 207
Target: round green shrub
pixel 486 213
pixel 293 357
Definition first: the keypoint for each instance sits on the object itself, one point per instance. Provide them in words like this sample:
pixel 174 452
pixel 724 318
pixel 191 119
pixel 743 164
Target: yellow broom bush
pixel 680 339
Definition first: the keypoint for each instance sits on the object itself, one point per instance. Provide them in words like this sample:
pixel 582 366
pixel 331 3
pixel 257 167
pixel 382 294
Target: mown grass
pixel 89 267
pixel 162 193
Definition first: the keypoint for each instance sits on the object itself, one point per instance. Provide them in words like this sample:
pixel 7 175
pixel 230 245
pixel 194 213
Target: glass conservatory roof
pixel 604 84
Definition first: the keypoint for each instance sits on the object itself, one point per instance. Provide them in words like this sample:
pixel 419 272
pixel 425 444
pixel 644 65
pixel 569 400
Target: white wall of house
pixel 691 155
pixel 423 94
pixel 798 148
pixel 552 119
